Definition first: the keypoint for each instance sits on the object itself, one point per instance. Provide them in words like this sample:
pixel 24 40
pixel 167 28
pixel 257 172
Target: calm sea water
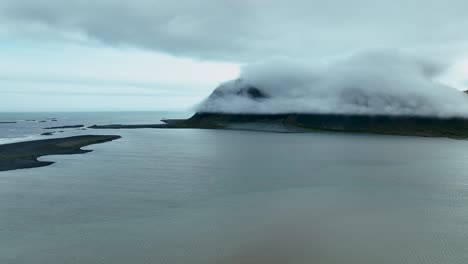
pixel 212 196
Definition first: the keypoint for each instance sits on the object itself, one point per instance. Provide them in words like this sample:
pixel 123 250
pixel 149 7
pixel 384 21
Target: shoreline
pixel 419 126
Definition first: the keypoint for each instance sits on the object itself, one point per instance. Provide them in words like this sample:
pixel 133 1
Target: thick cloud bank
pixel 386 83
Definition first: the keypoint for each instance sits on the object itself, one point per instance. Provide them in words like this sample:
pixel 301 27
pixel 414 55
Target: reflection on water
pixel 204 196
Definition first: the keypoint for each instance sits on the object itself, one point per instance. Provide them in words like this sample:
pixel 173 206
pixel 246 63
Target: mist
pixel 370 83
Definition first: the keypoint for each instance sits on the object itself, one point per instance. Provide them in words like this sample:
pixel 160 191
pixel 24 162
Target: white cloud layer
pixel 384 82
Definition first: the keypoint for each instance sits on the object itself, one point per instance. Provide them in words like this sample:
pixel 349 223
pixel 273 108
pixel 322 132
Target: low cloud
pixel 378 82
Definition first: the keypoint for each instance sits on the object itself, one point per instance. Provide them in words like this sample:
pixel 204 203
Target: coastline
pixel 419 126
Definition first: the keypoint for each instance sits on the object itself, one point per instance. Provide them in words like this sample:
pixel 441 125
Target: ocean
pixel 225 196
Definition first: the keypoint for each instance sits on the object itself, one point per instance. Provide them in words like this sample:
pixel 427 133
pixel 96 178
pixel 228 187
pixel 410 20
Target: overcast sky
pixel 169 55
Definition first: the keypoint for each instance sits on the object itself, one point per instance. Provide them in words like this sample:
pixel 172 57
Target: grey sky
pixel 251 29
pixel 240 31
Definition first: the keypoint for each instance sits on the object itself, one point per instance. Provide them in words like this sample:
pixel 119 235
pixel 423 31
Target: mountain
pixel 302 122
pixel 409 125
pixel 239 91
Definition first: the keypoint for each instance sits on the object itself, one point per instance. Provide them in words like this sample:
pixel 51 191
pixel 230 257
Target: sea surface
pixel 224 196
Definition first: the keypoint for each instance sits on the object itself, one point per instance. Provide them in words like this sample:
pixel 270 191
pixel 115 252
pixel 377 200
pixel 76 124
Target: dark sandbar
pixel 23 155
pixel 64 127
pixel 120 126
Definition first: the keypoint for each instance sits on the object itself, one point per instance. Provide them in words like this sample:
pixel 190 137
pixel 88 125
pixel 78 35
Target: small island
pixel 24 155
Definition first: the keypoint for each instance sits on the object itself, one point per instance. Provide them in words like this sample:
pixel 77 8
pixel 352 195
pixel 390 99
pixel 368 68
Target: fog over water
pixel 376 82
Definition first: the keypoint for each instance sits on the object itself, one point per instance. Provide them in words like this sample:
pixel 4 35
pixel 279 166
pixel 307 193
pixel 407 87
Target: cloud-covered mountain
pixel 371 83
